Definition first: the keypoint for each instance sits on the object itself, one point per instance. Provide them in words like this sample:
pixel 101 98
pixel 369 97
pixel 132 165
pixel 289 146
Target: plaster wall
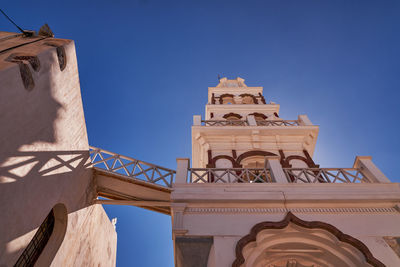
pixel 228 212
pixel 95 245
pixel 44 149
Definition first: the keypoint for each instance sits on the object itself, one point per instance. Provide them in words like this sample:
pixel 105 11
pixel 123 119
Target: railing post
pixel 251 120
pixel 196 120
pixel 368 168
pixel 304 120
pixel 183 164
pixel 272 163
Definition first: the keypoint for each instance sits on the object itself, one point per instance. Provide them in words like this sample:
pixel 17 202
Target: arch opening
pixel 297 243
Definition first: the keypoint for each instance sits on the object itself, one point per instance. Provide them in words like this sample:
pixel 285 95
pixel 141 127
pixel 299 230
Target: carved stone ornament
pixel 314 225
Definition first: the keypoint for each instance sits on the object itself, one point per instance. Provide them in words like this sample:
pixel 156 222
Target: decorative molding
pixel 291 218
pixel 234 155
pixel 213 161
pixel 253 153
pixel 262 98
pixel 297 210
pixel 285 161
pixel 236 159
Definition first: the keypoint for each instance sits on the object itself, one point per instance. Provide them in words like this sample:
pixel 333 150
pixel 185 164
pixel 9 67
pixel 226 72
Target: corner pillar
pixel 251 120
pixel 196 120
pixel 273 164
pixel 183 164
pixel 368 168
pixel 304 120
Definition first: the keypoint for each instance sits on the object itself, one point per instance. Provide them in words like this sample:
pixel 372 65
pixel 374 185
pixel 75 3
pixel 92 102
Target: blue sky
pixel 145 67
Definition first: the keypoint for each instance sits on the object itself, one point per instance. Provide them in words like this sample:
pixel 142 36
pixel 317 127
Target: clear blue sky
pixel 145 67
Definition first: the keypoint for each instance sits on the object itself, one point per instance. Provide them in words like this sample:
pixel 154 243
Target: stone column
pixel 304 120
pixel 196 120
pixel 368 168
pixel 272 163
pixel 183 164
pixel 251 120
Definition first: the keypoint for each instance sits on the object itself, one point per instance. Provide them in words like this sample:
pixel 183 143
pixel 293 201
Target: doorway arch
pixel 294 242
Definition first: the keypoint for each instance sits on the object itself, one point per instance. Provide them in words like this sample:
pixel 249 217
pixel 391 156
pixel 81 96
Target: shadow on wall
pixel 38 164
pixel 31 186
pixel 26 116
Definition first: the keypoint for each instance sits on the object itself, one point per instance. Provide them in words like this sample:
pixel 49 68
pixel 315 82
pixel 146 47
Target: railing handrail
pixel 155 176
pixel 222 122
pixel 325 175
pixel 240 175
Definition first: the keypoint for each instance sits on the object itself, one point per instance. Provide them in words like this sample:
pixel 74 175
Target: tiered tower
pixel 255 197
pixel 244 129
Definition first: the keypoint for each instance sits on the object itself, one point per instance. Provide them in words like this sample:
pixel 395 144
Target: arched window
pixel 44 245
pixel 248 99
pixel 232 116
pixel 226 99
pixel 259 116
pixel 32 252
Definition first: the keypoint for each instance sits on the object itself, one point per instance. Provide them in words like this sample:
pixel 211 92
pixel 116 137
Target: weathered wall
pixel 93 225
pixel 44 147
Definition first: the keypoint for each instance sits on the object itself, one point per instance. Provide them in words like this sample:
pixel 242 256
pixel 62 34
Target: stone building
pixel 252 195
pixel 46 182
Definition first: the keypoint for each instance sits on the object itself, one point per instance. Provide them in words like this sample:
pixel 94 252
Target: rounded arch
pixel 252 154
pixel 226 99
pixel 249 95
pixel 213 161
pixel 232 115
pixel 309 243
pixel 259 115
pixel 57 236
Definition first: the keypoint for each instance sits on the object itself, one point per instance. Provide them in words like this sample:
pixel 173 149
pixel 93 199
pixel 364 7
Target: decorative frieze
pixel 295 210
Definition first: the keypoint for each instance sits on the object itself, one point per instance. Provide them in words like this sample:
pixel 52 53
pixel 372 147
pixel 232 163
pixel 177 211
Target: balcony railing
pixel 277 123
pixel 224 122
pixel 325 175
pixel 229 175
pixel 130 167
pixel 246 123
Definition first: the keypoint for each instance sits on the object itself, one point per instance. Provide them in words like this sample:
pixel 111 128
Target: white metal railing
pixel 325 175
pixel 277 122
pixel 229 175
pixel 225 122
pixel 131 167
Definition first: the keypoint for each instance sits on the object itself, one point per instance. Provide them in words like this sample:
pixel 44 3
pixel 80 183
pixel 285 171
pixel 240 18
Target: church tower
pixel 253 196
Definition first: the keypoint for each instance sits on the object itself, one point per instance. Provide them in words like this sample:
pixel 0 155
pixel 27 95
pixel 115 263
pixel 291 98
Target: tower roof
pixel 238 82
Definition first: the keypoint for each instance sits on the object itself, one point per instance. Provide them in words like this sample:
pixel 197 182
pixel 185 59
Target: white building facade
pixel 255 197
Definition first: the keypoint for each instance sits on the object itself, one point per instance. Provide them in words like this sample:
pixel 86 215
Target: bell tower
pixel 240 129
pixel 253 195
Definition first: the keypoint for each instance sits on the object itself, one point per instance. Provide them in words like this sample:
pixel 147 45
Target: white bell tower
pixel 253 196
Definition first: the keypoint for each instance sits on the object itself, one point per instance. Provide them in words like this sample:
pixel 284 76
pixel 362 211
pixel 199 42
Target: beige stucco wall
pixel 95 245
pixel 227 212
pixel 44 150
